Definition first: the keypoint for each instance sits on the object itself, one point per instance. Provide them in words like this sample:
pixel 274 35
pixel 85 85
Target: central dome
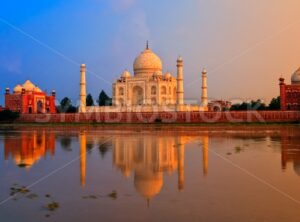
pixel 147 63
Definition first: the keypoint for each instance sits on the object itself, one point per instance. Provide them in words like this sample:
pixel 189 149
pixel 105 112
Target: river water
pixel 150 173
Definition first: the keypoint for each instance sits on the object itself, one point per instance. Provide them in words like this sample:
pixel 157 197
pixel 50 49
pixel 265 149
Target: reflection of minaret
pixel 82 141
pixel 180 147
pixel 205 154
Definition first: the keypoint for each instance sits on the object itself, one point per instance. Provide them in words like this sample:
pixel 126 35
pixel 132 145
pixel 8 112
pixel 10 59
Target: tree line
pixel 66 105
pixel 257 105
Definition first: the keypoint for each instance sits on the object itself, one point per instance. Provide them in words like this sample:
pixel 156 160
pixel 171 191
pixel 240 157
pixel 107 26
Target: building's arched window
pixel 153 90
pixel 153 101
pixel 137 95
pixel 40 107
pixel 163 90
pixel 121 91
pixel 164 100
pixel 121 102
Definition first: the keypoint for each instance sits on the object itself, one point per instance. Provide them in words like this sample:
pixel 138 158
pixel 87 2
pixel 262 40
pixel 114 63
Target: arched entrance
pixel 39 105
pixel 137 95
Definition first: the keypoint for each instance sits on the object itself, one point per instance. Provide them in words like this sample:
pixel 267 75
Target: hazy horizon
pixel 244 45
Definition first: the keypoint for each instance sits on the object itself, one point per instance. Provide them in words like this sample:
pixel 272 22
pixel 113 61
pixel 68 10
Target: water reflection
pixel 83 148
pixel 145 157
pixel 290 151
pixel 26 148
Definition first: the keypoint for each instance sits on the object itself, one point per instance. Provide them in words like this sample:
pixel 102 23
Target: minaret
pixel 180 90
pixel 82 106
pixel 204 100
pixel 282 94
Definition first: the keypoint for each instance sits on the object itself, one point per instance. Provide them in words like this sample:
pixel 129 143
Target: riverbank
pixel 164 117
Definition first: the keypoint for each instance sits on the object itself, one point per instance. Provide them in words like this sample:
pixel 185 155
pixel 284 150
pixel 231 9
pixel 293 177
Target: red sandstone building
pixel 28 98
pixel 290 94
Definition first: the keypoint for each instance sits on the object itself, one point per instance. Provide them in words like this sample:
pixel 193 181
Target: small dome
pixel 126 74
pixel 168 75
pixel 204 71
pixel 296 77
pixel 180 59
pixel 18 89
pixel 147 63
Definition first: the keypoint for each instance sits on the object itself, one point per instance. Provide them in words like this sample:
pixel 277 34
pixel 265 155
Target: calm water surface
pixel 138 173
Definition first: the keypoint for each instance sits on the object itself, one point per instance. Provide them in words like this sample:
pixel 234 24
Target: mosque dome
pixel 296 77
pixel 37 89
pixel 18 89
pixel 28 86
pixel 148 184
pixel 126 74
pixel 147 63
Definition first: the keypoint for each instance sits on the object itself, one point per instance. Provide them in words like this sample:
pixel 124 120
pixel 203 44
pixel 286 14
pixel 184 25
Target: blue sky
pixel 244 45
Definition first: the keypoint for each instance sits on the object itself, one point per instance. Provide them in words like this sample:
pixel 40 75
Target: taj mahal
pixel 148 89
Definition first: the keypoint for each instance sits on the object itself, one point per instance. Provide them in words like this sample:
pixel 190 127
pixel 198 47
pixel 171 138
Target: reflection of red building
pixel 27 148
pixel 28 98
pixel 290 152
pixel 290 94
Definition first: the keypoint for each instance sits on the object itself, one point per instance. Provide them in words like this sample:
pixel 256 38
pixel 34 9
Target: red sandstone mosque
pixel 28 98
pixel 290 94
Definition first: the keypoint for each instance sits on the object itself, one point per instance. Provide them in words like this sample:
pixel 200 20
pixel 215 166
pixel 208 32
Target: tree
pixel 65 103
pixel 66 106
pixel 275 104
pixel 89 100
pixel 258 105
pixel 8 116
pixel 104 99
pixel 253 105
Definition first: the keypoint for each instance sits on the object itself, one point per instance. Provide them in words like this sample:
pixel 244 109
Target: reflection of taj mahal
pixel 148 87
pixel 148 158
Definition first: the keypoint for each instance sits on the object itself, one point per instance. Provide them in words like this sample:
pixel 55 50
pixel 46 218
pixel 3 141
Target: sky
pixel 245 46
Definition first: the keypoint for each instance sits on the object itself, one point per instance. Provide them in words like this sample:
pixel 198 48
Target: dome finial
pixel 147 45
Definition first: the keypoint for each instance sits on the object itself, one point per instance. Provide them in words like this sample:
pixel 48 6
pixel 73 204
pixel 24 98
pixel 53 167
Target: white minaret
pixel 204 99
pixel 180 90
pixel 82 106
